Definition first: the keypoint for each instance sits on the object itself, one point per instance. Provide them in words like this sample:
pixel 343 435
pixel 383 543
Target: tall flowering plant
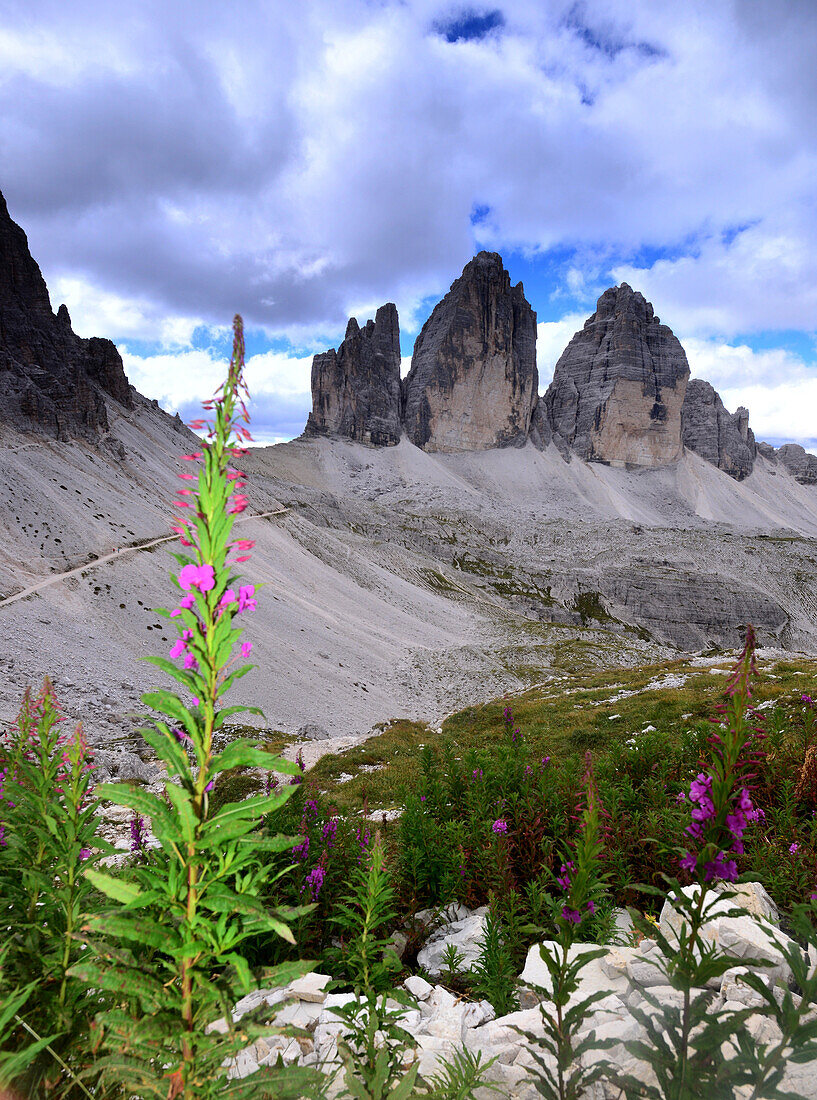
pixel 184 913
pixel 580 886
pixel 682 1037
pixel 47 838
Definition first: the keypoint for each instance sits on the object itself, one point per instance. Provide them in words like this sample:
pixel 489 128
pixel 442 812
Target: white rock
pixel 418 987
pixel 593 977
pixel 311 987
pixel 466 936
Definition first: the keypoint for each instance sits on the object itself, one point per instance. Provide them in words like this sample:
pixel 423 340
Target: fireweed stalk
pixel 580 885
pixel 195 900
pixel 683 1038
pixel 49 839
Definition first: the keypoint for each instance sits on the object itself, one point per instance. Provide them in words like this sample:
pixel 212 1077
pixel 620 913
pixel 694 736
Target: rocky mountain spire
pixel 618 387
pixel 356 389
pixel 722 438
pixel 51 381
pixel 473 378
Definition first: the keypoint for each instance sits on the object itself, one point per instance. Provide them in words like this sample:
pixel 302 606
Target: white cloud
pixel 777 387
pixel 97 312
pixel 296 160
pixel 552 337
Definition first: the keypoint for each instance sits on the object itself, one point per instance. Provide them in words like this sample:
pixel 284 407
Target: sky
pixel 303 161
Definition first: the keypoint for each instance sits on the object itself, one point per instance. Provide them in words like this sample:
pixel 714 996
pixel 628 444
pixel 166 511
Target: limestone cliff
pixel 52 382
pixel 618 387
pixel 722 438
pixel 356 389
pixel 796 459
pixel 473 380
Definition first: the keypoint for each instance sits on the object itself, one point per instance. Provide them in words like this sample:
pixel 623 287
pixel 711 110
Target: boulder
pixel 755 935
pixel 473 379
pixel 52 382
pixel 466 934
pixel 800 464
pixel 722 438
pixel 356 389
pixel 618 387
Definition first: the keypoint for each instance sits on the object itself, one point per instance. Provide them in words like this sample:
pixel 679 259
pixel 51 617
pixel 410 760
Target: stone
pixel 473 380
pixel 618 387
pixel 754 935
pixel 722 438
pixel 356 389
pixel 800 464
pixel 312 732
pixel 466 935
pixel 52 382
pixel 311 987
pixel 418 987
pixel 593 977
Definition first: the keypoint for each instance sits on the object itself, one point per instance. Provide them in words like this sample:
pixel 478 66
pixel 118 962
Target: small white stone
pixel 311 987
pixel 418 987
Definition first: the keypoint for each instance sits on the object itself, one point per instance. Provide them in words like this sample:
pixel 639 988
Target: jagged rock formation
pixel 796 459
pixel 618 387
pixel 52 382
pixel 356 389
pixel 722 438
pixel 473 379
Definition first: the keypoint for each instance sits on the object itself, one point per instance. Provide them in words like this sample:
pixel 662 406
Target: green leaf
pixel 165 702
pixel 183 806
pixel 190 680
pixel 243 754
pixel 115 888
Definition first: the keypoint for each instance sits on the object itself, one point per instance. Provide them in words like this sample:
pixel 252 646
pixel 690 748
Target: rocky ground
pixel 628 975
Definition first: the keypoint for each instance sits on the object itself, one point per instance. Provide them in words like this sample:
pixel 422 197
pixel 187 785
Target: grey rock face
pixel 51 381
pixel 800 464
pixel 473 379
pixel 722 438
pixel 356 389
pixel 692 610
pixel 618 387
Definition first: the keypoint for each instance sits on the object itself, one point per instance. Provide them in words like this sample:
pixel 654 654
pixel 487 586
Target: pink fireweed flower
pixel 330 832
pixel 246 649
pixel 314 881
pixel 793 847
pixel 193 457
pixel 85 853
pixel 185 602
pixel 573 916
pixel 227 598
pixel 191 662
pixel 197 576
pixel 246 598
pixel 301 851
pixel 180 645
pixel 500 827
pixel 564 874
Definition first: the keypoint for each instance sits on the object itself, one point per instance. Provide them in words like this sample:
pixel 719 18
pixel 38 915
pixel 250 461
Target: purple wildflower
pixel 500 827
pixel 137 833
pixel 793 847
pixel 329 832
pixel 301 851
pixel 314 880
pixel 571 915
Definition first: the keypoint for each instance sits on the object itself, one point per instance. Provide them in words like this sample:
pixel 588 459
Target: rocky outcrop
pixel 691 610
pixel 800 464
pixel 356 389
pixel 473 380
pixel 618 387
pixel 796 459
pixel 52 382
pixel 722 438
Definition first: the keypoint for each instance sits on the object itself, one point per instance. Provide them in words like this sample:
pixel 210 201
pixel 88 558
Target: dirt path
pixel 118 553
